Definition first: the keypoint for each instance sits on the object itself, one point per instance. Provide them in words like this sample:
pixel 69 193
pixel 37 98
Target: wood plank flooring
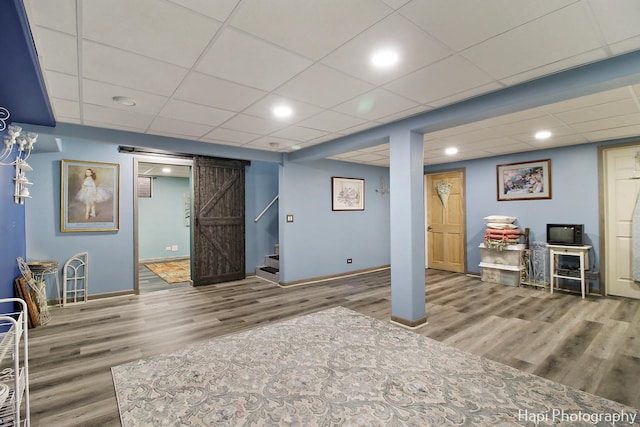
pixel 592 344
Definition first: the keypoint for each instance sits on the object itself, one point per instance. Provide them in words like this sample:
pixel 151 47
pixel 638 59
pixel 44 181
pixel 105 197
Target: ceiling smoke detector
pixel 124 100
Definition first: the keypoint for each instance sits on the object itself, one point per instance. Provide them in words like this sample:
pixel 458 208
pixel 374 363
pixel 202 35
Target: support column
pixel 407 228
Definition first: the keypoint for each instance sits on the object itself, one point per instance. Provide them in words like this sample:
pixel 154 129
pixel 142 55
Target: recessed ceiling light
pixel 124 100
pixel 282 111
pixel 295 147
pixel 450 151
pixel 384 58
pixel 166 170
pixel 274 144
pixel 543 134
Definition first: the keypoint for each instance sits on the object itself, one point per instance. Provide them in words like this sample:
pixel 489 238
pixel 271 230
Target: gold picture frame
pixel 89 196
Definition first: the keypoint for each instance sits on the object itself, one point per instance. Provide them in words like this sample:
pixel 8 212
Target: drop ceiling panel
pixel 230 135
pixel 63 86
pixel 625 46
pixel 219 9
pixel 618 21
pixel 449 76
pixel 509 148
pixel 59 15
pixel 398 115
pixel 272 143
pixel 206 90
pixel 608 123
pixel 127 69
pixel 133 26
pixel 590 100
pixel 530 126
pixel 414 48
pixel 606 134
pixel 462 26
pixel 59 51
pixel 112 116
pixel 99 93
pixel 375 104
pixel 565 33
pixel 179 128
pixel 623 107
pixel 245 59
pixel 195 113
pixel 554 67
pixel 245 123
pixel 264 108
pixel 299 133
pixel 396 4
pixel 65 108
pixel 331 121
pixel 466 94
pixel 323 86
pixel 297 25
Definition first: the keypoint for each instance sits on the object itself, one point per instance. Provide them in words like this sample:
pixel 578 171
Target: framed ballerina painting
pixel 89 196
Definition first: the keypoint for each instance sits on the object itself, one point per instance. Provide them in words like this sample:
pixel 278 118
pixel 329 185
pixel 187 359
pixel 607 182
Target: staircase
pixel 271 269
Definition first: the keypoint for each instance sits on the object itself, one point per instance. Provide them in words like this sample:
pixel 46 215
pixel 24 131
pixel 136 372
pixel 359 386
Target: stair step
pixel 276 257
pixel 268 269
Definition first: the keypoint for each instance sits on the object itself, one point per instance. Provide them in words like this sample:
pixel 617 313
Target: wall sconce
pixel 19 146
pixel 383 188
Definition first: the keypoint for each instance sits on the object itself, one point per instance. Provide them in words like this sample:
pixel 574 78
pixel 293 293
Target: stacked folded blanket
pixel 501 232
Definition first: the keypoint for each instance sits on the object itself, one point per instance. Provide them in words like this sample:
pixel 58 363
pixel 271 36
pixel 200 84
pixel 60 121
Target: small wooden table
pixel 581 252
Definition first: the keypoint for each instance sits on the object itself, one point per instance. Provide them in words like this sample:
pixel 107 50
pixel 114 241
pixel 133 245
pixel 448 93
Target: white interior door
pixel 621 193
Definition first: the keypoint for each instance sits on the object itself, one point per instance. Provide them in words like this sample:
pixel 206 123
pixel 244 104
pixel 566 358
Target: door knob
pixel 429 228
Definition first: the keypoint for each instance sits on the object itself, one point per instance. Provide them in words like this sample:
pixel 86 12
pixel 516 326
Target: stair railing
pixel 264 211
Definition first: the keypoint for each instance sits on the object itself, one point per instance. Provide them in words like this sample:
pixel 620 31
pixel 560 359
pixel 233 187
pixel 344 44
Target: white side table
pixel 581 252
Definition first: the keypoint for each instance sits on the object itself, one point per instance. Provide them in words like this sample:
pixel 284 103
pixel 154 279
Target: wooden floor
pixel 593 345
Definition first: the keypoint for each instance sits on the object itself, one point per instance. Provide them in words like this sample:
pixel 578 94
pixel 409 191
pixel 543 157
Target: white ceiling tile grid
pixel 212 71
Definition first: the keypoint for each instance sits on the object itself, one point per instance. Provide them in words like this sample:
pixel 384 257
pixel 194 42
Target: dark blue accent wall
pixel 12 233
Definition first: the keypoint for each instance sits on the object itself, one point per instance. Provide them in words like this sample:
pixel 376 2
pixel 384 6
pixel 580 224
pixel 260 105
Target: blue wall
pixel 574 184
pixel 111 263
pixel 161 219
pixel 319 241
pixel 110 253
pixel 12 232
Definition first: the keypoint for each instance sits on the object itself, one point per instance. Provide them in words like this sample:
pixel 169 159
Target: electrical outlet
pixel 349 261
pixel 174 248
pixel 168 248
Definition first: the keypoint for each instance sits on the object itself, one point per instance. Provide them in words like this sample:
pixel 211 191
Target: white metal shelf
pixel 14 361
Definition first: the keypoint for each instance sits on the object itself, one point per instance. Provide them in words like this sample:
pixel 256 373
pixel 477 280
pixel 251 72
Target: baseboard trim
pixel 332 277
pixel 411 324
pixel 54 302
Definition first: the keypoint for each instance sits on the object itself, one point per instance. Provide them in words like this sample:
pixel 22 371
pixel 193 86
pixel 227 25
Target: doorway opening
pixel 163 192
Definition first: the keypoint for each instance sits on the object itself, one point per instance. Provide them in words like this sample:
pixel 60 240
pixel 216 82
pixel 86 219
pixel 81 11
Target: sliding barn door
pixel 218 221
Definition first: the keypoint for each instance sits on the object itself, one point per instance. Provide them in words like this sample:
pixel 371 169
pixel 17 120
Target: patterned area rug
pixel 338 367
pixel 172 271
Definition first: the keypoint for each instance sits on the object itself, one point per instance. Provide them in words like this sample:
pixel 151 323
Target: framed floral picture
pixel 89 196
pixel 524 181
pixel 347 194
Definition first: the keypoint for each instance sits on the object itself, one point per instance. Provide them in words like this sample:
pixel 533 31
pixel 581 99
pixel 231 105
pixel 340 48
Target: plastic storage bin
pixel 509 255
pixel 503 277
